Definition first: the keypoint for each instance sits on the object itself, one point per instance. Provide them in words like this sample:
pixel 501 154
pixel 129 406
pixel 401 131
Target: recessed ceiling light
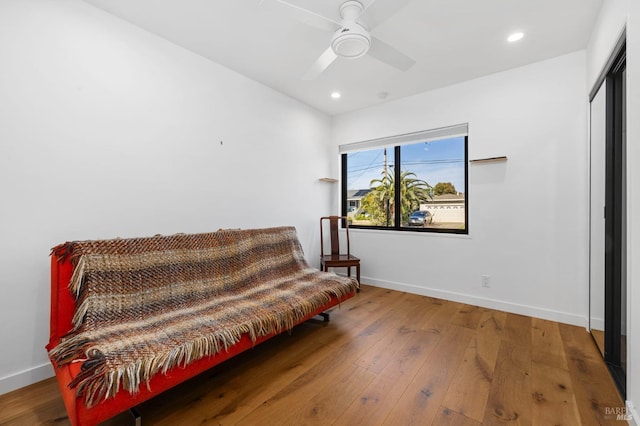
pixel 515 37
pixel 336 95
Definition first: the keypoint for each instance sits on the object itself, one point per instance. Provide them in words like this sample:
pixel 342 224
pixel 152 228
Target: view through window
pixel 427 192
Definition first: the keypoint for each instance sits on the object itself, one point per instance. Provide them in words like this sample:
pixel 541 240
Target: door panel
pixel 597 220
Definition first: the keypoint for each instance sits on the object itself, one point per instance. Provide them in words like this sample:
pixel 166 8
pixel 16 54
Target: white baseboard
pixel 25 378
pixel 597 323
pixel 532 311
pixel 633 413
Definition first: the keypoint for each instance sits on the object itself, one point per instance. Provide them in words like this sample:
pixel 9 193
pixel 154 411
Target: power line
pixel 405 163
pixel 366 168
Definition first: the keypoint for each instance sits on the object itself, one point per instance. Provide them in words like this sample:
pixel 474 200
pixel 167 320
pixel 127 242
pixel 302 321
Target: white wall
pixel 534 248
pixel 614 16
pixel 108 131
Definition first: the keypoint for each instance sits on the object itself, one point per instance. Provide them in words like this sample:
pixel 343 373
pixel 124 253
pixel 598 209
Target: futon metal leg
pixel 325 316
pixel 137 420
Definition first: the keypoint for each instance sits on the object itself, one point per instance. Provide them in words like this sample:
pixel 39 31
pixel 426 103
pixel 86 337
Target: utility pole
pixel 386 200
pixel 385 162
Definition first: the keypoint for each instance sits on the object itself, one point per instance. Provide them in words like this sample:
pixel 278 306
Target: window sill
pixel 409 233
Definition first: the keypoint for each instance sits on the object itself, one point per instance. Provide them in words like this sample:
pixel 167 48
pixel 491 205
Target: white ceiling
pixel 450 40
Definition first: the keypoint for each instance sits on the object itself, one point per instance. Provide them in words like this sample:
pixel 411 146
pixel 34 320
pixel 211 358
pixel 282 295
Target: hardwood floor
pixel 598 336
pixel 385 358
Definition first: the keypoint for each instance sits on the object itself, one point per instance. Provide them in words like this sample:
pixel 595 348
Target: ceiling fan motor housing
pixel 351 41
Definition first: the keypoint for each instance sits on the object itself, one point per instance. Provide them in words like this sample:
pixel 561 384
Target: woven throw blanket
pixel 146 305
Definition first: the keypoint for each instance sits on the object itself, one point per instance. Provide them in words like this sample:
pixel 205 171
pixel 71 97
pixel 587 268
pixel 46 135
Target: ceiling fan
pixel 351 35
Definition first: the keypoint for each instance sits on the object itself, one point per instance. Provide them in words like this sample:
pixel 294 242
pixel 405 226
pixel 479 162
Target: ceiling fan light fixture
pixel 351 41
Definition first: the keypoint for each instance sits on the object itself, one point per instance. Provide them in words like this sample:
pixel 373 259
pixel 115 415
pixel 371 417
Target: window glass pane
pixel 432 184
pixel 370 187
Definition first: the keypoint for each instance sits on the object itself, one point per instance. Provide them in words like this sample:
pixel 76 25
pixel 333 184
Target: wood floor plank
pixel 554 400
pixel 469 389
pixel 517 329
pixel 546 344
pixel 470 386
pixel 374 402
pixel 489 334
pixel 448 417
pixel 509 399
pixel 598 336
pixel 468 316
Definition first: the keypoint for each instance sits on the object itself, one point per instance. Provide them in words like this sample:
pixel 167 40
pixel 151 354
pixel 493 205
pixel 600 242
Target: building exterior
pixel 447 208
pixel 354 199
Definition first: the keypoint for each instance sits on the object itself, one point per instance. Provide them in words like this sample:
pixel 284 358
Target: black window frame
pixel 398 216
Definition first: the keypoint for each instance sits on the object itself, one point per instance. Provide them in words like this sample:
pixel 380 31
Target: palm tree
pixel 380 202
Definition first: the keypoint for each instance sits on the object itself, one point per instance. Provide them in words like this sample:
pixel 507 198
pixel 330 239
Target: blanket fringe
pixel 70 349
pixel 80 314
pixel 62 251
pixel 75 284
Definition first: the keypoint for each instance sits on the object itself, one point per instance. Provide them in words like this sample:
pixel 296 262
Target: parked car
pixel 420 218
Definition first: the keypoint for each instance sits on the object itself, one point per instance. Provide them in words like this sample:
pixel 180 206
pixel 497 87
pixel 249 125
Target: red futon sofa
pixel 131 318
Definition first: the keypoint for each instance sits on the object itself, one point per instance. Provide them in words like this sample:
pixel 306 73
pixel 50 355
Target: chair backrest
pixel 333 232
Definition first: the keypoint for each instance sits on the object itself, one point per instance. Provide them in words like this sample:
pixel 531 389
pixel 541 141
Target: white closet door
pixel 597 222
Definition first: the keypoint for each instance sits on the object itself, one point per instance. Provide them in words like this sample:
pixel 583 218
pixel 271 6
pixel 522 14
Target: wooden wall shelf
pixel 326 179
pixel 489 159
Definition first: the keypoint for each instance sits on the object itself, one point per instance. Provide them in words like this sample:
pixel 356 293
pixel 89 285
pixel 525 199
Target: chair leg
pixel 358 276
pixel 348 271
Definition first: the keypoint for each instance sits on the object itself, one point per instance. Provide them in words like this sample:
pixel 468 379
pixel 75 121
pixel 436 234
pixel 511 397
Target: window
pixel 427 192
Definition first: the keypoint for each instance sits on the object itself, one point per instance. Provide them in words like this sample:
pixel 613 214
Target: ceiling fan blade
pixel 308 17
pixel 378 11
pixel 321 64
pixel 390 55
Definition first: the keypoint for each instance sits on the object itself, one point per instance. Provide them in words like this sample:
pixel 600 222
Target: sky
pixel 436 161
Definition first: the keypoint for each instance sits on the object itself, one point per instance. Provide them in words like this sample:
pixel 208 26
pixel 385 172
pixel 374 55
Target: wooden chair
pixel 336 259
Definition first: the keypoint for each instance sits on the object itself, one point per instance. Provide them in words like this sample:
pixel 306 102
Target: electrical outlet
pixel 486 281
